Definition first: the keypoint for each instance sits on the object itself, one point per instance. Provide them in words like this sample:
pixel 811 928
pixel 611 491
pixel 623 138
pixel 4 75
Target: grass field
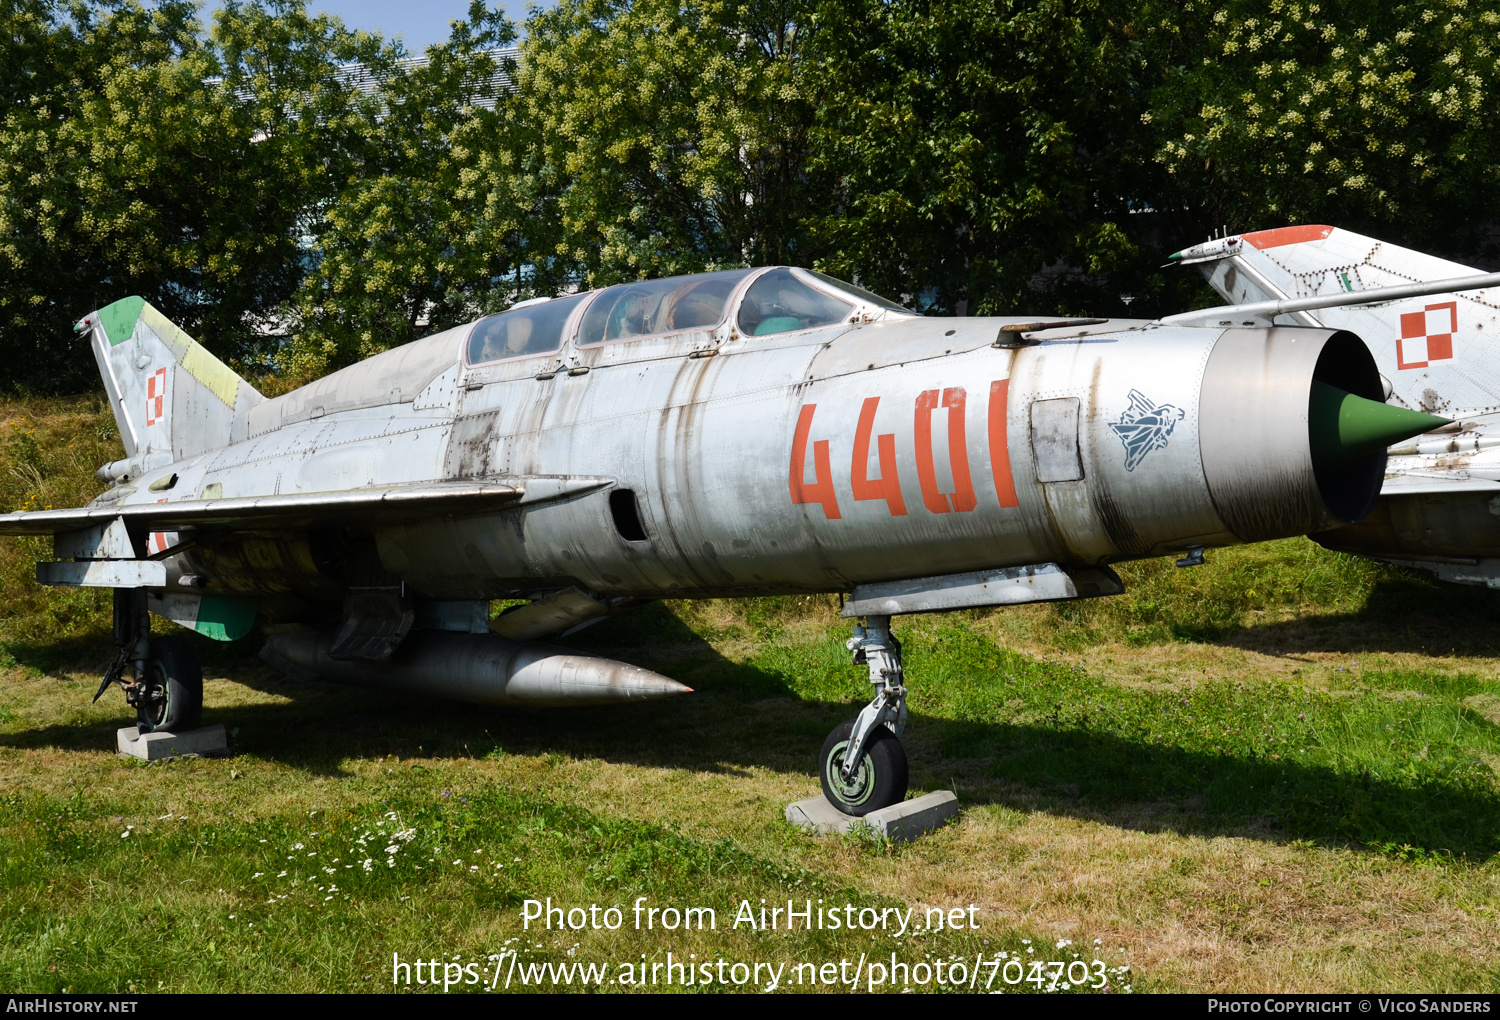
pixel 1279 771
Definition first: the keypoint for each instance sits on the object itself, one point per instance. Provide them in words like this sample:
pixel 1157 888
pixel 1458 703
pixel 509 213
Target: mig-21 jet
pixel 737 433
pixel 1438 352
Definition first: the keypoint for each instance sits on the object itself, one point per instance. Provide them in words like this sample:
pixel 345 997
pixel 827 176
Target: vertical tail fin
pixel 1440 354
pixel 171 397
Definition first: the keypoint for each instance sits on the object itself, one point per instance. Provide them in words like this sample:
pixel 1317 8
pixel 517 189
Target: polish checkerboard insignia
pixel 1427 336
pixel 1145 426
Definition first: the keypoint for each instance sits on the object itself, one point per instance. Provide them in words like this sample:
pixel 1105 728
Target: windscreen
pixel 779 302
pixel 859 292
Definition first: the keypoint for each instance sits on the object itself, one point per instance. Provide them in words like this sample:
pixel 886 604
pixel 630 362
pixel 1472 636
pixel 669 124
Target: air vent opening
pixel 627 516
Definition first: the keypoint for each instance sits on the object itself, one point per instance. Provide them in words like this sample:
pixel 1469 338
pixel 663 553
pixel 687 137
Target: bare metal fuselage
pixel 817 461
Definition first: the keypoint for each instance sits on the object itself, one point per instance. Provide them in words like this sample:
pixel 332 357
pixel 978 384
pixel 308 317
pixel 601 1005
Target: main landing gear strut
pixel 160 676
pixel 863 765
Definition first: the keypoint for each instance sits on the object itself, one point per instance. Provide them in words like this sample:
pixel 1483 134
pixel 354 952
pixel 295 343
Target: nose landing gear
pixel 863 766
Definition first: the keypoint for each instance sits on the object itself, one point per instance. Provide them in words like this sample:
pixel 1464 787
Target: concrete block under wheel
pixel 899 822
pixel 208 741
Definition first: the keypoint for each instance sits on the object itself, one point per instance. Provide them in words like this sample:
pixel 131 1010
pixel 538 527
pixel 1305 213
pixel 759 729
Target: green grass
pixel 1274 772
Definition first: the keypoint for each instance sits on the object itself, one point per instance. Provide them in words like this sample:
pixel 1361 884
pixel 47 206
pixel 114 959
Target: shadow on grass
pixel 1407 613
pixel 743 717
pixel 1102 776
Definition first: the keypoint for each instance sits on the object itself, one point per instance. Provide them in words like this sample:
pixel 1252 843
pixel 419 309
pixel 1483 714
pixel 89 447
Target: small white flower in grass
pixel 459 863
pixel 282 875
pixel 231 917
pixel 392 848
pixel 299 846
pixel 327 898
pixel 367 864
pixel 257 874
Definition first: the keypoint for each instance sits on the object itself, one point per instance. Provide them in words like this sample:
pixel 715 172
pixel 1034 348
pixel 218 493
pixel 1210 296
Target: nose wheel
pixel 863 766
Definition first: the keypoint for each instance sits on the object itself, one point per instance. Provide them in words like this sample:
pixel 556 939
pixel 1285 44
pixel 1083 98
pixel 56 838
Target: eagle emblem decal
pixel 1145 426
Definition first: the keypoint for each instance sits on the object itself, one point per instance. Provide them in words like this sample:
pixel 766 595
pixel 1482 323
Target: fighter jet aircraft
pixel 1438 352
pixel 747 432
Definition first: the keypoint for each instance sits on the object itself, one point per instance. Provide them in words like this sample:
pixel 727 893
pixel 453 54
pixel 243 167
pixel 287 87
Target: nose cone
pixel 1342 427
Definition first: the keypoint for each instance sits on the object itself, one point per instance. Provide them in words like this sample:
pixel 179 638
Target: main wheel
pixel 880 780
pixel 174 688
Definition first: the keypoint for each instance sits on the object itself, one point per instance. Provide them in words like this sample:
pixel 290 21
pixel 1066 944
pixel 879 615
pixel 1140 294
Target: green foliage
pixel 1354 112
pixel 434 227
pixel 1031 154
pixel 152 161
pixel 975 143
pixel 675 136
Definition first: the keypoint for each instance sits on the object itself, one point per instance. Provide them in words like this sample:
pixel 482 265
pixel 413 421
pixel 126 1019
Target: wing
pixel 359 507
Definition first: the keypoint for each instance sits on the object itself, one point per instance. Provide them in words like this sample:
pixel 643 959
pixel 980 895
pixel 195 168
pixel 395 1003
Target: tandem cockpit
pixel 647 320
pixel 764 302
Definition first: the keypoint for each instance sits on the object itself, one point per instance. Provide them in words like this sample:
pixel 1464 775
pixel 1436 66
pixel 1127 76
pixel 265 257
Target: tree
pixel 673 135
pixel 102 103
pixel 138 158
pixel 436 223
pixel 1375 116
pixel 976 145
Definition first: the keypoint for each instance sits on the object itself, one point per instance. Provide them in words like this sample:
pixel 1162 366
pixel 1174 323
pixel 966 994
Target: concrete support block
pixel 210 741
pixel 899 822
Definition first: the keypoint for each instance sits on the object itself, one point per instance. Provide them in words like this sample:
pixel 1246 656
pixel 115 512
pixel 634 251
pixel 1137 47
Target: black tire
pixel 172 669
pixel 881 780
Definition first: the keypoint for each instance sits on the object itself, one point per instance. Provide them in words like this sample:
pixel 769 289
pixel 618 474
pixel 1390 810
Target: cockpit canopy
pixel 779 300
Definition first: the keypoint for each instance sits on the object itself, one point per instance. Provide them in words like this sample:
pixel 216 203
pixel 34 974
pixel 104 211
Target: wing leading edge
pixel 358 507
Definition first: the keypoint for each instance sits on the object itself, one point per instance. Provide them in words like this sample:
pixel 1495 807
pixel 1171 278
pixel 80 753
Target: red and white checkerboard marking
pixel 156 396
pixel 1427 336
